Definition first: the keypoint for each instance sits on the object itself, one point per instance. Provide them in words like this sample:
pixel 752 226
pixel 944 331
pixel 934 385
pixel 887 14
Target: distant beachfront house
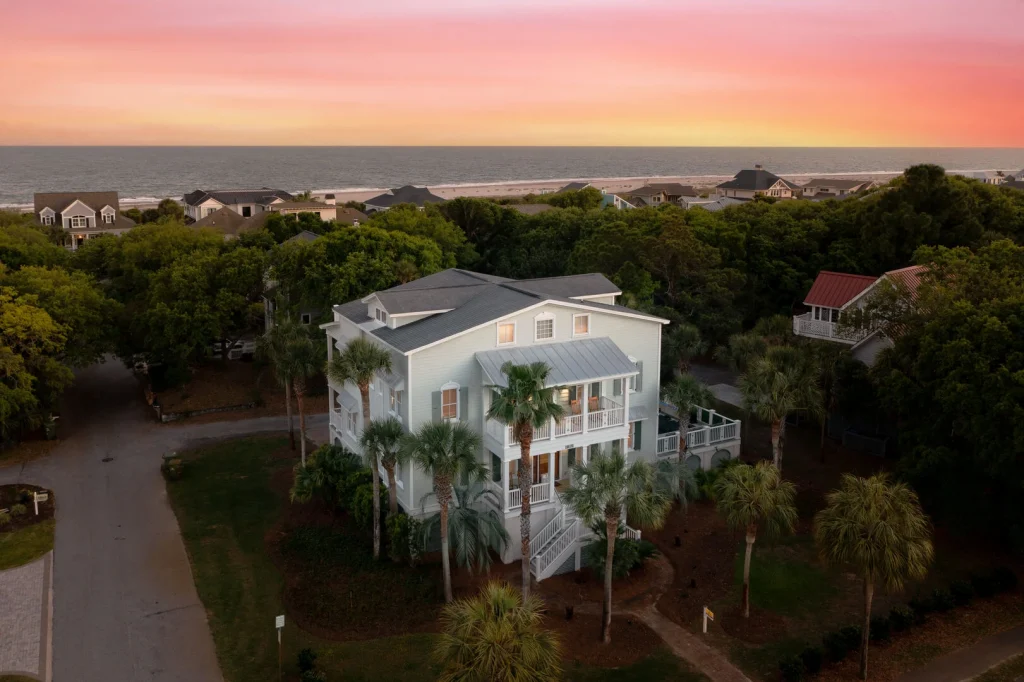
pixel 322 210
pixel 82 214
pixel 348 216
pixel 617 200
pixel 656 194
pixel 244 202
pixel 1015 184
pixel 989 177
pixel 750 183
pixel 419 196
pixel 574 187
pixel 226 222
pixel 711 203
pixel 836 293
pixel 834 187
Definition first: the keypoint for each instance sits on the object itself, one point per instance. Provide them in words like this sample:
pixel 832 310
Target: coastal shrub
pixel 851 636
pixel 629 554
pixel 901 618
pixel 835 647
pixel 961 591
pixel 942 600
pixel 19 510
pixel 646 550
pixel 24 496
pixel 306 660
pixel 881 629
pixel 361 506
pixel 983 585
pixel 1004 579
pixel 812 658
pixel 405 538
pixel 921 608
pixel 313 676
pixel 172 468
pixel 792 669
pixel 5 519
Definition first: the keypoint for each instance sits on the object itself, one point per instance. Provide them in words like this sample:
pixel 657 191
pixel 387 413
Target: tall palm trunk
pixel 389 469
pixel 300 398
pixel 683 433
pixel 525 482
pixel 443 489
pixel 364 393
pixel 751 536
pixel 611 523
pixel 869 593
pixel 777 443
pixel 288 407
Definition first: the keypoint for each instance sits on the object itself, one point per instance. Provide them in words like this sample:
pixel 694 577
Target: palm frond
pixel 756 497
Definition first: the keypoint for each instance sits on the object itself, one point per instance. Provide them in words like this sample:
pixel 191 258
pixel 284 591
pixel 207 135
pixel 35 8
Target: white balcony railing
pixel 562 544
pixel 806 325
pixel 540 492
pixel 668 444
pixel 609 414
pixel 338 420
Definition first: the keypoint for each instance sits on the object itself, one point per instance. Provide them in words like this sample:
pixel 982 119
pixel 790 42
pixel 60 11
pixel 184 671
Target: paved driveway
pixel 125 607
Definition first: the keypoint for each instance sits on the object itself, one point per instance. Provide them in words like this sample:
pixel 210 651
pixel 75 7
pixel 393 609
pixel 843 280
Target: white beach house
pixel 449 334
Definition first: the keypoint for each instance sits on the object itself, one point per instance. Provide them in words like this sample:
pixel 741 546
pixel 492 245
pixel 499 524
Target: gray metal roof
pixel 405 195
pixel 637 413
pixel 348 401
pixel 574 187
pixel 571 362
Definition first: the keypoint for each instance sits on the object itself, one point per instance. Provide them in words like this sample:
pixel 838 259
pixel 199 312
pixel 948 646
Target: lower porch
pixel 710 437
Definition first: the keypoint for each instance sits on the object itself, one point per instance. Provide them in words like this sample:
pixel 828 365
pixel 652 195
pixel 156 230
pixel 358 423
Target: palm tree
pixel 325 474
pixel 304 358
pixel 603 488
pixel 359 363
pixel 272 347
pixel 381 442
pixel 676 480
pixel 525 404
pixel 497 636
pixel 474 532
pixel 877 528
pixel 448 451
pixel 781 383
pixel 829 357
pixel 755 499
pixel 681 344
pixel 686 392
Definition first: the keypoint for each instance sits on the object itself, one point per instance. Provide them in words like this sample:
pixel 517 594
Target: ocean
pixel 154 172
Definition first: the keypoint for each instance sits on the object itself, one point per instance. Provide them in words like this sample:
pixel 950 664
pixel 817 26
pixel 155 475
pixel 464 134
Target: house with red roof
pixel 833 293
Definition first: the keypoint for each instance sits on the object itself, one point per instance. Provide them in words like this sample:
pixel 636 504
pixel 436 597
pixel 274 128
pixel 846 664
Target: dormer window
pixel 544 327
pixel 46 216
pixel 382 316
pixel 506 333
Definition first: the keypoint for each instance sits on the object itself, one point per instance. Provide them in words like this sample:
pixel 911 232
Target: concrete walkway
pixel 968 663
pixel 125 607
pixel 25 619
pixel 690 648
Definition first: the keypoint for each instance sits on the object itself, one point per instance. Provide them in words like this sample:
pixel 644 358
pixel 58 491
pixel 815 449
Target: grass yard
pixel 255 556
pixel 26 544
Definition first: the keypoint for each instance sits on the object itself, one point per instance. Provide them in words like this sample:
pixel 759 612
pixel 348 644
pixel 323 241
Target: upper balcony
pixel 594 414
pixel 805 325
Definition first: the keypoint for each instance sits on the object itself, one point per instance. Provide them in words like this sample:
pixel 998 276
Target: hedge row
pixel 836 646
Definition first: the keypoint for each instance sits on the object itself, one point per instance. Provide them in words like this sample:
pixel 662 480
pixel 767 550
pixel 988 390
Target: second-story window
pixel 394 401
pixel 544 327
pixel 382 316
pixel 450 403
pixel 79 221
pixel 581 325
pixel 506 333
pixel 47 219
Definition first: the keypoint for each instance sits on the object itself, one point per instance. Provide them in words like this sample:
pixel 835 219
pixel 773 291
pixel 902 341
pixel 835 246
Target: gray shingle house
pixel 82 214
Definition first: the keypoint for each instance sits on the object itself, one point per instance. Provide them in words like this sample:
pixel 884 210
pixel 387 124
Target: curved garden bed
pixel 24 535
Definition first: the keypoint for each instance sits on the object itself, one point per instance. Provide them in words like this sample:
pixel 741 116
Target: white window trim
pixel 631 380
pixel 46 219
pixel 396 409
pixel 515 333
pixel 74 218
pixel 458 395
pixel 574 333
pixel 543 317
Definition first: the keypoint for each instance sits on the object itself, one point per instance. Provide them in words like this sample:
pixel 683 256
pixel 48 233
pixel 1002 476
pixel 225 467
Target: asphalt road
pixel 125 606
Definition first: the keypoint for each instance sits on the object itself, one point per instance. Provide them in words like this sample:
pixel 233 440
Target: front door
pixel 246 211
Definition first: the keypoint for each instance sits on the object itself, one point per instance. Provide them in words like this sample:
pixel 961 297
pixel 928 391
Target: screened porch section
pixel 707 427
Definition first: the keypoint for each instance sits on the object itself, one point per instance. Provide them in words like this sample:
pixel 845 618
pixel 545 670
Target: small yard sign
pixel 279 622
pixel 708 615
pixel 39 497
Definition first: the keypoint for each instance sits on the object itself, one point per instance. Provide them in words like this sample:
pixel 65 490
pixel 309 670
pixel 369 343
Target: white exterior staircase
pixel 555 543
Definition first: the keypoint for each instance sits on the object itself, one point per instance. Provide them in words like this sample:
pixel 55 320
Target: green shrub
pixel 172 468
pixel 901 618
pixel 851 635
pixel 24 496
pixel 835 646
pixel 962 592
pixel 921 607
pixel 398 537
pixel 812 658
pixel 792 669
pixel 306 660
pixel 5 519
pixel 313 676
pixel 647 550
pixel 629 554
pixel 1004 579
pixel 983 585
pixel 19 510
pixel 942 600
pixel 881 629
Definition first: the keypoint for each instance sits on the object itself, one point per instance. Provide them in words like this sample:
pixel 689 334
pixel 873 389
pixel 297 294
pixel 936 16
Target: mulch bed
pixel 581 640
pixel 236 382
pixel 11 495
pixel 760 628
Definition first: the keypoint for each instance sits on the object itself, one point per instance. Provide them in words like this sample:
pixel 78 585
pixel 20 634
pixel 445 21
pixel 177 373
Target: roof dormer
pixel 47 215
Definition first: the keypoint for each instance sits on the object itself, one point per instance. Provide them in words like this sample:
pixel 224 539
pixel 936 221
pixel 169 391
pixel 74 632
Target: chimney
pixel 329 199
pixel 757 166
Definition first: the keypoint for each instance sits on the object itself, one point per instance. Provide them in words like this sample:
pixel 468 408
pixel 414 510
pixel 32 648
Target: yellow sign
pixel 709 614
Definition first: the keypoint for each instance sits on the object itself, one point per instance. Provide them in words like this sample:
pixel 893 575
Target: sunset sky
pixel 513 72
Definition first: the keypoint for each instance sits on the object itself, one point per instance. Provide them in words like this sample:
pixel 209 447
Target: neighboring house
pixel 1015 184
pixel 711 203
pixel 656 194
pixel 350 216
pixel 574 187
pixel 244 202
pixel 82 214
pixel 271 301
pixel 750 183
pixel 618 201
pixel 223 220
pixel 419 196
pixel 449 334
pixel 833 293
pixel 530 209
pixel 989 177
pixel 834 187
pixel 323 210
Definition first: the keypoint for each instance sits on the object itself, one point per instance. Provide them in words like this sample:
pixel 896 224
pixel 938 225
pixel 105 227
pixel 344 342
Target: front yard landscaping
pixel 24 536
pixel 254 556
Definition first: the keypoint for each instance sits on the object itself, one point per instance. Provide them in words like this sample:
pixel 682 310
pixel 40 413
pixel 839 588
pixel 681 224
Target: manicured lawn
pixel 228 508
pixel 25 544
pixel 783 580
